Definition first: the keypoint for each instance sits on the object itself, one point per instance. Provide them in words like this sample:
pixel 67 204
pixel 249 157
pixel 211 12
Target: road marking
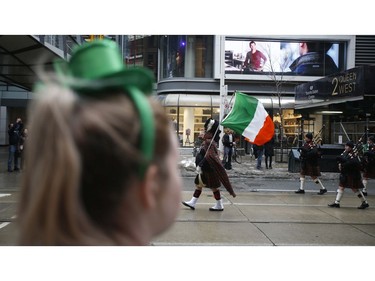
pixel 284 190
pixel 5 194
pixel 4 224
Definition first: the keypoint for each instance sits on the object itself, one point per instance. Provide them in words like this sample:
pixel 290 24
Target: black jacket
pixel 226 141
pixel 314 63
pixel 15 133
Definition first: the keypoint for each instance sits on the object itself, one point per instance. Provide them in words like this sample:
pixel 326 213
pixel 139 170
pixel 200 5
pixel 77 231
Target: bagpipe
pixel 318 137
pixel 309 150
pixel 369 156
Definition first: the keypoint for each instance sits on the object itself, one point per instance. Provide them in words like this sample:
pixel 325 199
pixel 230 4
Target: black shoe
pixel 364 205
pixel 364 193
pixel 16 169
pixel 300 191
pixel 322 191
pixel 270 167
pixel 334 205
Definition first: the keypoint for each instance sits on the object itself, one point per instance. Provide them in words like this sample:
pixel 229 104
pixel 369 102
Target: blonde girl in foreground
pixel 101 157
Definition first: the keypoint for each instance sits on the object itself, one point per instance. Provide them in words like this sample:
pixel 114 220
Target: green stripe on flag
pixel 249 118
pixel 242 113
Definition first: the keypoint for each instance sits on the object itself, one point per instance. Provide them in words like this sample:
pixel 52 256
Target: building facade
pixel 197 76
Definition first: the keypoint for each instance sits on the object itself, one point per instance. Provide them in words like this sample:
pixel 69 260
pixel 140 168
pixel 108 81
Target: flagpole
pixel 223 87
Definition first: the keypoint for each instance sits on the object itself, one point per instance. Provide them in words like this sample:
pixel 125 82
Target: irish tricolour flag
pixel 249 118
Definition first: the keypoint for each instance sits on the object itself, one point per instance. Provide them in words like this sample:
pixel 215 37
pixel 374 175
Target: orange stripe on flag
pixel 266 132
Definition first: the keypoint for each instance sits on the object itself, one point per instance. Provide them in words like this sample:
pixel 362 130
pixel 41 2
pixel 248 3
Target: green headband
pixel 98 66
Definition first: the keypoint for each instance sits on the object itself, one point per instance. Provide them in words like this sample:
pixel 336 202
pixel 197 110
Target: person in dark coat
pixel 269 152
pixel 228 142
pixel 14 132
pixel 350 176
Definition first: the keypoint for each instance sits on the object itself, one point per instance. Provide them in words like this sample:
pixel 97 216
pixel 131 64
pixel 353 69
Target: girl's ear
pixel 149 188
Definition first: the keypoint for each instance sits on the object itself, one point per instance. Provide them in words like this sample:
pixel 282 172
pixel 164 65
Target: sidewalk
pixel 248 168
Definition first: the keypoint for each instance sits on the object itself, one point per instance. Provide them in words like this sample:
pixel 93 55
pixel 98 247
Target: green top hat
pixel 96 68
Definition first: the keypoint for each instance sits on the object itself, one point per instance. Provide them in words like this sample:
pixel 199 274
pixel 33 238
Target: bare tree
pixel 276 71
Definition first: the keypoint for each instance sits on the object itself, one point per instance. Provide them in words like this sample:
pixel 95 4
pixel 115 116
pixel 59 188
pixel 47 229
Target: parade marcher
pixel 350 176
pixel 103 172
pixel 309 155
pixel 368 163
pixel 211 172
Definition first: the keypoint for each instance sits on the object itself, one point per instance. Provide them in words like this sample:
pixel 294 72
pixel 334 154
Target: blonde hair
pixel 81 154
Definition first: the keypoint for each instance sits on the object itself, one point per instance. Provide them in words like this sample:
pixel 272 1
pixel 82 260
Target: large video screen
pixel 310 58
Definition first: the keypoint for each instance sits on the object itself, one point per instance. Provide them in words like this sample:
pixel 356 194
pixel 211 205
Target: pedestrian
pixel 103 172
pixel 228 143
pixel 350 176
pixel 210 172
pixel 309 156
pixel 269 152
pixel 258 151
pixel 14 131
pixel 368 163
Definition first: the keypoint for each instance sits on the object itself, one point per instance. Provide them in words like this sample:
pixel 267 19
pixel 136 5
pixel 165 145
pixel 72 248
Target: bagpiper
pixel 309 156
pixel 350 176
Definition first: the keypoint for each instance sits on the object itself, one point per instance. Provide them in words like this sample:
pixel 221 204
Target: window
pixel 186 56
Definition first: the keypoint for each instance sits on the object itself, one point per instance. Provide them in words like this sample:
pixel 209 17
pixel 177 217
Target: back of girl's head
pixel 82 154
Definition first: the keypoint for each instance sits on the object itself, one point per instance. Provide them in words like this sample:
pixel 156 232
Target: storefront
pixel 345 102
pixel 189 112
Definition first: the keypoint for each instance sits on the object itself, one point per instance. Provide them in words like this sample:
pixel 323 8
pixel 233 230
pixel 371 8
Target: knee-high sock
pixel 302 183
pixel 317 181
pixel 217 194
pixel 361 196
pixel 339 195
pixel 364 181
pixel 197 193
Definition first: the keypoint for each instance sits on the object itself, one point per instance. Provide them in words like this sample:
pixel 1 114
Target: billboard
pixel 310 58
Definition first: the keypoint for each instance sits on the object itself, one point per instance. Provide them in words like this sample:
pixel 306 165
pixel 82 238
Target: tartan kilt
pixel 208 179
pixel 369 172
pixel 307 169
pixel 351 181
